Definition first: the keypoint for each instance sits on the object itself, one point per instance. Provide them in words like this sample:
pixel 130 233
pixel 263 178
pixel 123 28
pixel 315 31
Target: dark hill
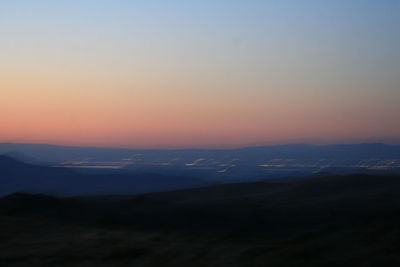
pixel 310 203
pixel 323 221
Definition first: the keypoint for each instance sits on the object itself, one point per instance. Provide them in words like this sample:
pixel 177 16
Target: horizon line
pixel 209 147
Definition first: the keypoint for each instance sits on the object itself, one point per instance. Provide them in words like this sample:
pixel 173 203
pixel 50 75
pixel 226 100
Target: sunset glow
pixel 199 73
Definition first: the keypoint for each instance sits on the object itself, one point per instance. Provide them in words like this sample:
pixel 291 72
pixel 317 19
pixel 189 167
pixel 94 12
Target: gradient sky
pixel 198 73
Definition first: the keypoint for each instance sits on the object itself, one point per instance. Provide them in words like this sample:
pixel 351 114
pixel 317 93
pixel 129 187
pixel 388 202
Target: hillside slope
pixel 322 221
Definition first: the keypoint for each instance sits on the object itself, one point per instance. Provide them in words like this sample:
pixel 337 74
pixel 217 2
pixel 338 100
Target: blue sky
pixel 177 73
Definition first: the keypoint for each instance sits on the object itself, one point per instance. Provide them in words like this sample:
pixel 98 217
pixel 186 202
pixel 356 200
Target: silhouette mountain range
pixel 239 164
pixel 54 153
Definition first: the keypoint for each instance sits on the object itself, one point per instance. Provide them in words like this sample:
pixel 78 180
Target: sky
pixel 209 73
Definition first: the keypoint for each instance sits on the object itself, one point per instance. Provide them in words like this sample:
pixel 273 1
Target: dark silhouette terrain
pixel 348 220
pixel 18 176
